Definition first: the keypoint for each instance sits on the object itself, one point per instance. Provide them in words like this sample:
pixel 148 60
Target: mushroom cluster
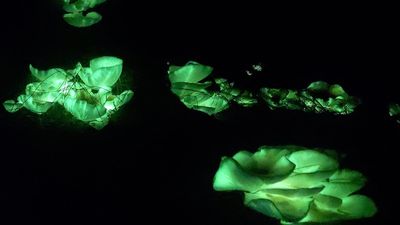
pixel 85 92
pixel 295 184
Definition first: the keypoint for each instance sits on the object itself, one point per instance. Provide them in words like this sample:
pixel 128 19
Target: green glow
pixel 295 184
pixel 85 92
pixel 190 84
pixel 186 84
pixel 317 97
pixel 77 15
pixel 394 111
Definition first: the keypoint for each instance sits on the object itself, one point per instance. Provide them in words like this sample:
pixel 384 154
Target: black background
pixel 155 161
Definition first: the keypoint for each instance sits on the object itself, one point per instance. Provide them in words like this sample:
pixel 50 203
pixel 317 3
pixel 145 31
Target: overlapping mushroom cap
pixel 85 92
pixel 295 185
pixel 102 73
pixel 186 84
pixel 318 97
pixel 77 15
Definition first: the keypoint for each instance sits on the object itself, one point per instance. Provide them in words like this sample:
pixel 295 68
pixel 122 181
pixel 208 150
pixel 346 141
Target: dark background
pixel 155 161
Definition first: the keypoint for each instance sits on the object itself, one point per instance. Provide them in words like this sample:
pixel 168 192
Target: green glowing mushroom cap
pixel 80 5
pixel 318 97
pixel 80 20
pixel 394 111
pixel 83 110
pixel 85 92
pixel 186 84
pixel 12 106
pixel 77 15
pixel 192 72
pixel 295 184
pixel 103 72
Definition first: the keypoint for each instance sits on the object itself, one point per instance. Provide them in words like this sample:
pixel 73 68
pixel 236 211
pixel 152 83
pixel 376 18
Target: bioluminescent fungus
pixel 295 185
pixel 394 111
pixel 85 92
pixel 318 97
pixel 187 83
pixel 77 15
